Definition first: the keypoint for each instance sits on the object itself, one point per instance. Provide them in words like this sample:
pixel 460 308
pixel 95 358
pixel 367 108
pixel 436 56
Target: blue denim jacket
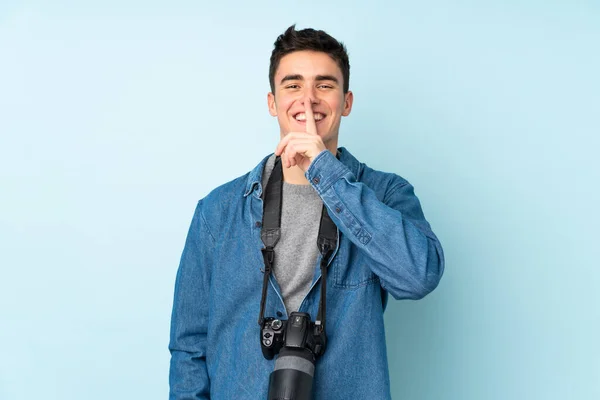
pixel 385 246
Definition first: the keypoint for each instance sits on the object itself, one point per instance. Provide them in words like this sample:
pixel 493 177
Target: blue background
pixel 115 119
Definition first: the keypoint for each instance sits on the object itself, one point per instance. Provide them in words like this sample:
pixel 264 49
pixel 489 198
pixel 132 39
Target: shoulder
pixel 228 199
pixel 389 180
pixel 382 182
pixel 224 198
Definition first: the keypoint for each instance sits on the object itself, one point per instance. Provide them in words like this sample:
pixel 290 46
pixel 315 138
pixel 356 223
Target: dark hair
pixel 309 39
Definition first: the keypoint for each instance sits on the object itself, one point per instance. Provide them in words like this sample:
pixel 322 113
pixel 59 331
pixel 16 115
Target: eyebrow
pixel 318 78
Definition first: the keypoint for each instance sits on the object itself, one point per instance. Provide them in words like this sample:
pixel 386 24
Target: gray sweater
pixel 296 252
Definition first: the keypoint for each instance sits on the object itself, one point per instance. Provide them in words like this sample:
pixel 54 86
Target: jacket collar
pixel 254 181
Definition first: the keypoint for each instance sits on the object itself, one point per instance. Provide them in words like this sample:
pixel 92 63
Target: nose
pixel 309 99
pixel 310 96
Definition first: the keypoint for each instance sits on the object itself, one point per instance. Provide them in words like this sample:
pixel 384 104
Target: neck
pixel 295 175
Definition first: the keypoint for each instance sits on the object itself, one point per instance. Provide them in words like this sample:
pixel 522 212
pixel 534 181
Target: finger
pixel 288 154
pixel 279 150
pixel 296 150
pixel 311 125
pixel 281 145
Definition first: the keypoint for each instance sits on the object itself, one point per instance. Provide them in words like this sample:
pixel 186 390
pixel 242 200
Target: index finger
pixel 311 125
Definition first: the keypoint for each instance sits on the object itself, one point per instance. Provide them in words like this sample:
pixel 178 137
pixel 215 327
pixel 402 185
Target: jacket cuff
pixel 324 171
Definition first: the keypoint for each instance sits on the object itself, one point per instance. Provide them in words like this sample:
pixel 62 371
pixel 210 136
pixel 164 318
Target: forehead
pixel 308 64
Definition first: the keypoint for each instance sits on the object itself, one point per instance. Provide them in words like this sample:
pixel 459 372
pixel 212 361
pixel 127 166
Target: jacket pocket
pixel 352 271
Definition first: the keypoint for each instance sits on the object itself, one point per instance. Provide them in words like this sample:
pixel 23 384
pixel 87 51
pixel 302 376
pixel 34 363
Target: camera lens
pixel 293 375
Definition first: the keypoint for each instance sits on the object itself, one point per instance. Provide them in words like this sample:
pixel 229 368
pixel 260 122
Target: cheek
pixel 336 105
pixel 283 109
pixel 283 106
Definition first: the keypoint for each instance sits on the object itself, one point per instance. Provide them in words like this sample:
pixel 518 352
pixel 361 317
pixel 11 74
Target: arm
pixel 188 376
pixel 406 255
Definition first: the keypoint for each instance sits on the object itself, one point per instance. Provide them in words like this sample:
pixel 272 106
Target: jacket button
pixel 258 224
pixel 316 181
pixel 279 314
pixel 337 209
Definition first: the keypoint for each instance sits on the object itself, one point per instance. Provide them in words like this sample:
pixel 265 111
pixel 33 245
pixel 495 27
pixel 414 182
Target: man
pixel 385 245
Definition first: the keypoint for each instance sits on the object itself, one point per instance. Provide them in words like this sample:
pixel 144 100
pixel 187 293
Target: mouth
pixel 301 117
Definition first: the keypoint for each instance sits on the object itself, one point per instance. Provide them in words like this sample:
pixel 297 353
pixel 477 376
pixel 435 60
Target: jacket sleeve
pixel 188 375
pixel 405 254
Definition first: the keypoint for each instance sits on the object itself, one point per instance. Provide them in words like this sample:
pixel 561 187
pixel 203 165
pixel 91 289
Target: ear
pixel 271 104
pixel 348 100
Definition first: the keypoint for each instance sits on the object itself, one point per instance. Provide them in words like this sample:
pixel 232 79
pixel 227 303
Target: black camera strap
pixel 271 231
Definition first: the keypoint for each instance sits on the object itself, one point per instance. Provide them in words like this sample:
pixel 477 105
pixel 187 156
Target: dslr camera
pixel 298 342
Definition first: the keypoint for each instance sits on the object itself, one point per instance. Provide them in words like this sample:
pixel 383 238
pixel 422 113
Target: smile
pixel 301 117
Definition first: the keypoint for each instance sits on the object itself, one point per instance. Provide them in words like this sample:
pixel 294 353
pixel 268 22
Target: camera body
pixel 298 332
pixel 298 342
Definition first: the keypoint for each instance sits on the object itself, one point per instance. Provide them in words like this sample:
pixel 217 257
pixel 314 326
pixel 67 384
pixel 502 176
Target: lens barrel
pixel 292 377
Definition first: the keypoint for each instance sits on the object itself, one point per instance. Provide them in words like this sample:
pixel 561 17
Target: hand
pixel 300 148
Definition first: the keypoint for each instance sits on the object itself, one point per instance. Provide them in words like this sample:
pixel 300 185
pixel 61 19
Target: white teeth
pixel 302 117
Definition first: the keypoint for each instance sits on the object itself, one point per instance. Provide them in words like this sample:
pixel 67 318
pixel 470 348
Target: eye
pixel 325 86
pixel 293 86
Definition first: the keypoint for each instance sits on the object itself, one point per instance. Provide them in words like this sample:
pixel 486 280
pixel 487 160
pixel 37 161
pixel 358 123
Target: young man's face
pixel 309 76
